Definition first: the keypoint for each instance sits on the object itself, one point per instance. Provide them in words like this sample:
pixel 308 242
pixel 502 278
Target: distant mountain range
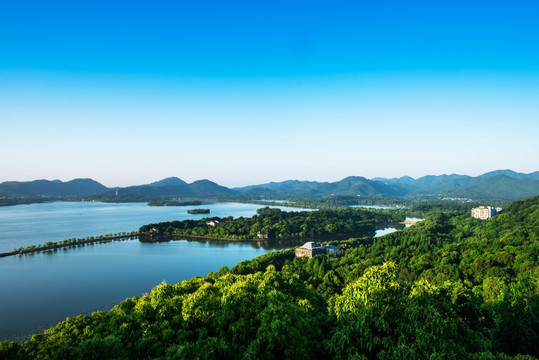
pixel 74 187
pixel 173 187
pixel 500 184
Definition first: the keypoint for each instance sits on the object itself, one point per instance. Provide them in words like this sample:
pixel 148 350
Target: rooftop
pixel 310 245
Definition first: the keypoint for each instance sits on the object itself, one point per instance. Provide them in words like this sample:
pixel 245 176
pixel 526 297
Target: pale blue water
pixel 33 224
pixel 44 288
pixel 389 230
pixel 384 231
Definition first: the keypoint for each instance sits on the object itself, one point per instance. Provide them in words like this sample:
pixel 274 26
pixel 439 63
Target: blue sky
pixel 250 92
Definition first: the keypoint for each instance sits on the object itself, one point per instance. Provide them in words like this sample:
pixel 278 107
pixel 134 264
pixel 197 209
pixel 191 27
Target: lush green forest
pixel 416 207
pixel 321 224
pixel 495 185
pixel 450 287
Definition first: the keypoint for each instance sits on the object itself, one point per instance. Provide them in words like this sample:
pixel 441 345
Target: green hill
pixel 51 188
pixel 502 185
pixel 495 185
pixel 167 188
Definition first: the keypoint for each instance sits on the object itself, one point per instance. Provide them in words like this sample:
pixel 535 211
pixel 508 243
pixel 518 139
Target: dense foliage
pixel 450 287
pixel 457 207
pixel 344 222
pixel 343 200
pixel 414 207
pixel 198 211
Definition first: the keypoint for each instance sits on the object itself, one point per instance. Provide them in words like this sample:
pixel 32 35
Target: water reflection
pixel 268 244
pixel 45 287
pixel 24 225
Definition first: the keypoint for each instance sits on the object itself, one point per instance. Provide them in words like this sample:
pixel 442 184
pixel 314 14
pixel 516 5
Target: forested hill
pixel 496 185
pixel 503 185
pixel 451 287
pixel 51 188
pixel 166 189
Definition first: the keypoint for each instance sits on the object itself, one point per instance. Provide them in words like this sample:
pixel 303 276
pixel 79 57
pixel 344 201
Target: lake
pixel 41 289
pixel 23 225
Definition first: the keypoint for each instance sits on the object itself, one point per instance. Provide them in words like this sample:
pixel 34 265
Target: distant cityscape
pixel 462 199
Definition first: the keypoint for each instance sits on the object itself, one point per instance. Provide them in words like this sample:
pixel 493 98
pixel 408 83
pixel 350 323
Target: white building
pixel 485 212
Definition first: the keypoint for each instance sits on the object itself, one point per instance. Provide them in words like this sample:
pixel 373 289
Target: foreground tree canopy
pixel 451 287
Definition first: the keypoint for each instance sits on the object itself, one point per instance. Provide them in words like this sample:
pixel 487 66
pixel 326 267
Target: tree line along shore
pixel 71 242
pixel 273 223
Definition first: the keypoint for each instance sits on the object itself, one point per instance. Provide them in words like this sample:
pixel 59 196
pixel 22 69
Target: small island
pixel 198 211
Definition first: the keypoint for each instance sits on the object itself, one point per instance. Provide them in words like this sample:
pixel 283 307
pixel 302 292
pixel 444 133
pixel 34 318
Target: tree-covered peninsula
pixel 450 287
pixel 321 224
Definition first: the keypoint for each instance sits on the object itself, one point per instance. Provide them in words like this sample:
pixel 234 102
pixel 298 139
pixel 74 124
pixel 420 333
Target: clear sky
pixel 246 92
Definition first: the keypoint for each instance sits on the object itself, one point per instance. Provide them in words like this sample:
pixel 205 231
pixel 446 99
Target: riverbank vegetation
pixel 321 224
pixel 10 201
pixel 450 287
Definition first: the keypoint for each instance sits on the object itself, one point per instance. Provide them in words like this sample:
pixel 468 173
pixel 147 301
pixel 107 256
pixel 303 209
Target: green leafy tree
pixel 381 318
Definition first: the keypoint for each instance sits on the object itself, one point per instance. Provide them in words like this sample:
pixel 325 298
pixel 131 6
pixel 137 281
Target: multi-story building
pixel 485 212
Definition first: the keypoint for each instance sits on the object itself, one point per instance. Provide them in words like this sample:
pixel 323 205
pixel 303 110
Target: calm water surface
pixel 33 224
pixel 389 230
pixel 41 289
pixel 46 287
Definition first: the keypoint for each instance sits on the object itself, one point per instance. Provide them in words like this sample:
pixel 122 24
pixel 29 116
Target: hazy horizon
pixel 245 93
